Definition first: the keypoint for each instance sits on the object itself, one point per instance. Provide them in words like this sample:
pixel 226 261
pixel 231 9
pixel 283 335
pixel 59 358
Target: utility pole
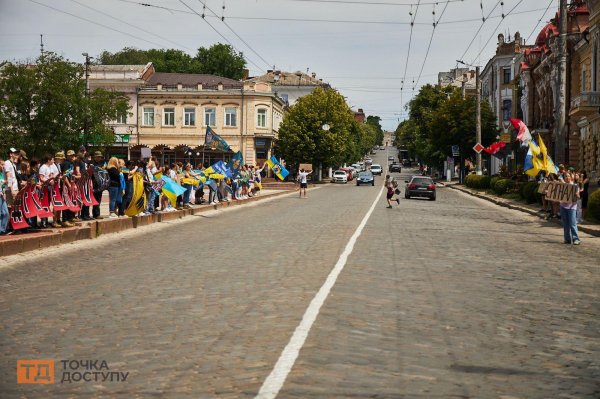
pixel 478 119
pixel 87 97
pixel 561 129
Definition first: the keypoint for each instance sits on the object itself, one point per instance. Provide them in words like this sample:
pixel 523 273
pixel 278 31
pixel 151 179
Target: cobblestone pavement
pixel 455 298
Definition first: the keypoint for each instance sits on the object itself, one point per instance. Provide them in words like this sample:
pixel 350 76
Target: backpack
pixel 101 179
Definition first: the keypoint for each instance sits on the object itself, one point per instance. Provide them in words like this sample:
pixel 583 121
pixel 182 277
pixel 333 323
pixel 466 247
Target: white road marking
pixel 274 382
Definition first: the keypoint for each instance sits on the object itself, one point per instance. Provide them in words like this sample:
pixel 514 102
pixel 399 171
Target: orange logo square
pixel 35 371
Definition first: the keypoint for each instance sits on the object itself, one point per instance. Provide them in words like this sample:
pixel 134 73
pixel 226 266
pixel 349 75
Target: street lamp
pixel 478 115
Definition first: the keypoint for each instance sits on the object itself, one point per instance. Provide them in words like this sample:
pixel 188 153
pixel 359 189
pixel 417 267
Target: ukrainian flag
pixel 172 190
pixel 277 168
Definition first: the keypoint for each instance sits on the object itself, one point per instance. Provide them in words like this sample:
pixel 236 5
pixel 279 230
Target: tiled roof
pixel 192 79
pixel 282 78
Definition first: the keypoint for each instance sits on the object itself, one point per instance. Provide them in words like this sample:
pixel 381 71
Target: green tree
pixel 375 122
pixel 43 107
pixel 222 60
pixel 303 139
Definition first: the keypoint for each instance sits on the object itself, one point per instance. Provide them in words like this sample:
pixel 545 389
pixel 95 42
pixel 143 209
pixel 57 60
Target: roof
pixel 283 78
pixel 192 79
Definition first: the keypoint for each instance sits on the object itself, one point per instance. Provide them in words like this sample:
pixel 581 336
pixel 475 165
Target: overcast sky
pixel 359 46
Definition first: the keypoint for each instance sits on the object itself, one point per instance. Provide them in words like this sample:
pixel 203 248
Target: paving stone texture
pixel 456 298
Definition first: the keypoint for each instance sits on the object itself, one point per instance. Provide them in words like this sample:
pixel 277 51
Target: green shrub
pixel 493 181
pixel 478 182
pixel 593 211
pixel 502 186
pixel 529 192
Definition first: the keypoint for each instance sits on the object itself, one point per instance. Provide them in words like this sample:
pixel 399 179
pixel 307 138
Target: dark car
pixel 365 177
pixel 406 162
pixel 395 167
pixel 420 186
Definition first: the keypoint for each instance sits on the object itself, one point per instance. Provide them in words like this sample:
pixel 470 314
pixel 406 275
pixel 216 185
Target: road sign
pixel 478 148
pixel 455 151
pixel 121 138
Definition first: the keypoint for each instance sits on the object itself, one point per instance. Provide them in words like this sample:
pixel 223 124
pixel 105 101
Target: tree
pixel 222 60
pixel 219 59
pixel 303 139
pixel 375 122
pixel 43 107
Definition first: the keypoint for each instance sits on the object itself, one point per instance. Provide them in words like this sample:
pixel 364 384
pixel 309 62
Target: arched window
pixel 506 109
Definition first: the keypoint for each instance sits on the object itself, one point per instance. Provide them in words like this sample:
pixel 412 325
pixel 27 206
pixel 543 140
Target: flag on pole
pixel 277 168
pixel 218 168
pixel 213 140
pixel 523 134
pixel 235 164
pixel 547 163
pixel 172 190
pixel 533 162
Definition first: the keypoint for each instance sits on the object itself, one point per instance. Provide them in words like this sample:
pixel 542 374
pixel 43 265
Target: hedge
pixel 493 180
pixel 502 186
pixel 477 181
pixel 529 192
pixel 593 210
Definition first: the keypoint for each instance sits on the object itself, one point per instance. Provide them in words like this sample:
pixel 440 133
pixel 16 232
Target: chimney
pixel 314 75
pixel 245 74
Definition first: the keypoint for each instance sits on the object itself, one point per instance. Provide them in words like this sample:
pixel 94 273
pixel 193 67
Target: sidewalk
pixel 19 243
pixel 532 209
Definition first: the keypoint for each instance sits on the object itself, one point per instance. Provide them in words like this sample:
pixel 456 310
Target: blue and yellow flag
pixel 235 164
pixel 172 190
pixel 277 168
pixel 213 140
pixel 218 170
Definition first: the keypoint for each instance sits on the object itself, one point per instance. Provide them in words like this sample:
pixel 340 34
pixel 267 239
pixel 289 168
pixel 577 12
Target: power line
pixel 494 31
pixel 220 34
pixel 129 24
pixel 97 23
pixel 235 33
pixel 539 21
pixel 412 23
pixel 376 3
pixel 435 24
pixel 478 30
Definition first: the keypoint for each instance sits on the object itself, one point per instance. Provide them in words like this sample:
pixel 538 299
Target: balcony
pixel 587 104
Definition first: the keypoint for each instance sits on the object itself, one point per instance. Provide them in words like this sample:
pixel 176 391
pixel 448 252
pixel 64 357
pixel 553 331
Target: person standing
pixel 585 182
pixel 568 214
pixel 303 178
pixel 99 163
pixel 114 190
pixel 3 206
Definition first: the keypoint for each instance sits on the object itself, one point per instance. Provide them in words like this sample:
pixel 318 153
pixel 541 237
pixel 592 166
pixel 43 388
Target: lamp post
pixel 87 96
pixel 478 113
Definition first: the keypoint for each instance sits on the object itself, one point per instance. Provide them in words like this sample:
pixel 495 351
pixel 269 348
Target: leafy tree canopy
pixel 219 59
pixel 375 122
pixel 43 107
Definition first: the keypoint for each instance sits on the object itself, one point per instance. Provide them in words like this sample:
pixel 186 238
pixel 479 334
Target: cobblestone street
pixel 456 298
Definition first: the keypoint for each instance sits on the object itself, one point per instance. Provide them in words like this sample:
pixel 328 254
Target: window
pixel 210 116
pixel 230 117
pixel 189 116
pixel 261 117
pixel 583 80
pixel 148 116
pixel 122 119
pixel 507 76
pixel 506 109
pixel 169 117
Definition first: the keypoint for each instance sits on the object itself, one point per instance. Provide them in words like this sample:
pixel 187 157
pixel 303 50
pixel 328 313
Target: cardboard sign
pixel 306 166
pixel 542 187
pixel 562 192
pixel 146 152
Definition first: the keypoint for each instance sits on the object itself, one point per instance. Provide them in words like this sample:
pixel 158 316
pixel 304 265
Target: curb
pixel 17 244
pixel 508 204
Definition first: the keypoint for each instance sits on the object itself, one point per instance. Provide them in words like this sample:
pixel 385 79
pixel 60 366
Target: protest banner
pixel 562 192
pixel 542 187
pixel 306 166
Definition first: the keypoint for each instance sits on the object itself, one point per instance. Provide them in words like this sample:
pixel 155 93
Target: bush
pixel 478 182
pixel 493 181
pixel 529 192
pixel 502 186
pixel 593 211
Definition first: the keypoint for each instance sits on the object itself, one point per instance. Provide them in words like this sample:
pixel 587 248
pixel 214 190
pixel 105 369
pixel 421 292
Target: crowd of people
pixel 570 213
pixel 61 189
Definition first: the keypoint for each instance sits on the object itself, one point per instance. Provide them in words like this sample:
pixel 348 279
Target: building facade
pixel 462 78
pixel 290 86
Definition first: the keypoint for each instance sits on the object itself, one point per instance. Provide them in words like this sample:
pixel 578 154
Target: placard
pixel 146 152
pixel 542 187
pixel 562 192
pixel 305 166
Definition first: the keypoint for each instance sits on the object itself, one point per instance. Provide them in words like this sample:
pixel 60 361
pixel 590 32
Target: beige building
pixel 290 86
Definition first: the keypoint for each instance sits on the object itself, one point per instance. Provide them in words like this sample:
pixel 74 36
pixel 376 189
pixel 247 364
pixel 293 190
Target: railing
pixel 586 99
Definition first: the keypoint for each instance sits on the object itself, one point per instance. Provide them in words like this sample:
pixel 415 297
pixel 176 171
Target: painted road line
pixel 274 382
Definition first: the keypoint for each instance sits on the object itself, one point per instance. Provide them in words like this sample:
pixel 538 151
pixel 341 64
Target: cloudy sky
pixel 364 48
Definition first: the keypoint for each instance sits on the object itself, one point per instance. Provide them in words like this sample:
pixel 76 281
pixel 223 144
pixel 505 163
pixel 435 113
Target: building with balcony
pixel 290 86
pixel 584 112
pixel 175 109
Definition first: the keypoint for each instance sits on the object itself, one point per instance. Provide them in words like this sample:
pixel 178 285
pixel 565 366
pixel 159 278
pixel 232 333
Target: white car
pixel 339 176
pixel 376 169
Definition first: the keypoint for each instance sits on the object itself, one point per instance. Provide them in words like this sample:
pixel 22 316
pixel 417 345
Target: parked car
pixel 368 161
pixel 340 176
pixel 373 152
pixel 365 177
pixel 382 148
pixel 406 162
pixel 349 173
pixel 395 167
pixel 391 158
pixel 420 186
pixel 376 169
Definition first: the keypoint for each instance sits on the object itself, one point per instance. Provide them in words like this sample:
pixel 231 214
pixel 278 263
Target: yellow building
pixel 174 111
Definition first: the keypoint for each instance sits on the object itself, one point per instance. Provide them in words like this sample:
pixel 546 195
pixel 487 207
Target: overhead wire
pixel 479 30
pixel 376 3
pixel 234 32
pixel 435 24
pixel 220 34
pixel 412 24
pixel 130 24
pixel 495 29
pixel 97 23
pixel 539 21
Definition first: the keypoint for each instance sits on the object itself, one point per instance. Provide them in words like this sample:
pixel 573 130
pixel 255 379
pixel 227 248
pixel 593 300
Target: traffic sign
pixel 478 148
pixel 455 151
